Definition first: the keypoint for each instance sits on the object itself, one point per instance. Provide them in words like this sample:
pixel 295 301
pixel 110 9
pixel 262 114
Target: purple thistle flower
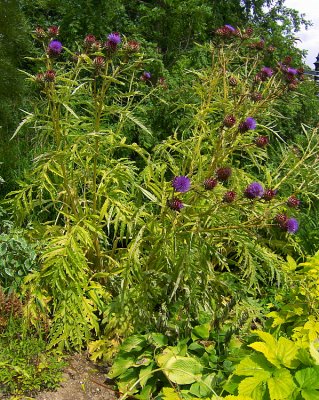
pixel 268 72
pixel 231 28
pixel 146 76
pixel 54 48
pixel 175 204
pixel 292 225
pixel 249 124
pixel 114 38
pixel 181 183
pixel 292 71
pixel 254 190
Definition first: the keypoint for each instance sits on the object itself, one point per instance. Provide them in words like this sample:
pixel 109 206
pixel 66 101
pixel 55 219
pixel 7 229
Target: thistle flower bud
pixel 89 40
pixel 249 31
pixel 256 96
pixel 210 183
pixel 99 62
pixel 49 76
pixel 53 31
pixel 262 141
pixel 293 202
pixel 269 194
pixel 175 204
pixel 232 81
pixel 224 173
pixel 229 197
pixel 132 46
pixel 229 121
pixel 39 78
pixel 40 33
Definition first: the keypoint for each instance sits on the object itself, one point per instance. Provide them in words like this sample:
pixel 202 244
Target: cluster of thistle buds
pixel 254 191
pixel 229 31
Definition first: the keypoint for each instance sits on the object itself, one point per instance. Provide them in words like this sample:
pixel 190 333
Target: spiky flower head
pixel 54 48
pixel 49 76
pixel 256 96
pixel 292 71
pixel 249 31
pixel 249 124
pixel 281 220
pixel 267 72
pixel 293 202
pixel 229 121
pixel 287 60
pixel 269 194
pixel 226 31
pixel 271 48
pixel 210 183
pixel 175 204
pixel 258 45
pixel 39 78
pixel 232 81
pixel 292 225
pixel 254 190
pixel 40 32
pixel 114 38
pixel 229 197
pixel 99 62
pixel 146 76
pixel 53 31
pixel 224 173
pixel 132 46
pixel 89 40
pixel 181 183
pixel 262 141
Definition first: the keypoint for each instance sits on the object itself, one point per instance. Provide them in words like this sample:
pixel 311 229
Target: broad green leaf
pixel 134 343
pixel 170 394
pixel 281 385
pixel 121 365
pixel 158 339
pixel 310 394
pixel 253 387
pixel 238 398
pixel 314 352
pixel 180 370
pixel 255 365
pixel 202 388
pixel 308 378
pixel 201 331
pixel 284 352
pixel 146 374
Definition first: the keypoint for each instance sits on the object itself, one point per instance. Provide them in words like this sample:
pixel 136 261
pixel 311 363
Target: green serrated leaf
pixel 281 385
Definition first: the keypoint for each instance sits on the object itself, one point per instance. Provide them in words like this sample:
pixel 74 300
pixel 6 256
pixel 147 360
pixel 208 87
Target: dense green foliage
pixel 173 172
pixel 25 364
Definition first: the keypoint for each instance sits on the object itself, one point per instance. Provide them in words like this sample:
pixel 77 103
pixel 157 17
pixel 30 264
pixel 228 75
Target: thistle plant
pixel 134 239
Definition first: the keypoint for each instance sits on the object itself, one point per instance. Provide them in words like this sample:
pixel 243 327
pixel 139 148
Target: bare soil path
pixel 82 380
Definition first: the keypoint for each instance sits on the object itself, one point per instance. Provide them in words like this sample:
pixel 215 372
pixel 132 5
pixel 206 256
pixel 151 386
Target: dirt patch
pixel 82 380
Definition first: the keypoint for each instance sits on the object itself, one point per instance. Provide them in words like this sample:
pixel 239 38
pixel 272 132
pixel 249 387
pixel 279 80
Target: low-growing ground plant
pixel 26 366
